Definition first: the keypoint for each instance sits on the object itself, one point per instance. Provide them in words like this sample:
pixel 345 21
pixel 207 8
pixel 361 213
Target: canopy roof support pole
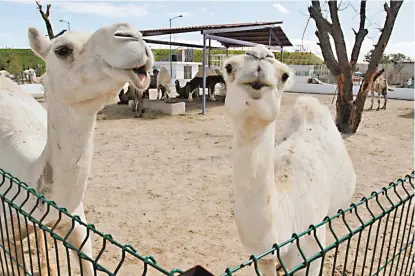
pixel 204 76
pixel 209 57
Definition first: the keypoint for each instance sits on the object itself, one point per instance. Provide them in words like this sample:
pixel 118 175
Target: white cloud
pixel 104 9
pixel 203 9
pixel 281 8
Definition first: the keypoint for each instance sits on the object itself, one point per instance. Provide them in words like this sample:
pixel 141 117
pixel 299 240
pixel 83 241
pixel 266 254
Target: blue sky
pixel 90 15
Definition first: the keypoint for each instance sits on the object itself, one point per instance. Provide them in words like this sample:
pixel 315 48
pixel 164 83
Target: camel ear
pixel 38 42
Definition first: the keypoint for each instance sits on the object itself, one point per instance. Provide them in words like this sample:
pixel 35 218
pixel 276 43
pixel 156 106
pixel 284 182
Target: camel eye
pixel 228 68
pixel 285 77
pixel 63 51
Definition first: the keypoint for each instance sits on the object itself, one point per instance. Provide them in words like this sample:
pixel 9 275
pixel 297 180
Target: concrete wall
pixel 34 89
pixel 396 74
pixel 398 93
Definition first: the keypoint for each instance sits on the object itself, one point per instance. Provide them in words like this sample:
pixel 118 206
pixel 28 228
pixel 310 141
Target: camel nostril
pixel 257 85
pixel 258 69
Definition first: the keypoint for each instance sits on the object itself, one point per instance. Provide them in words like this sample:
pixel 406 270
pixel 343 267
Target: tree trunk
pixel 344 103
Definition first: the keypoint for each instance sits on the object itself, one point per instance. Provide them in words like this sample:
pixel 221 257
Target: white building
pixel 183 71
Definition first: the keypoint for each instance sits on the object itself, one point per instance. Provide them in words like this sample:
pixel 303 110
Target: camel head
pixel 255 82
pixel 90 70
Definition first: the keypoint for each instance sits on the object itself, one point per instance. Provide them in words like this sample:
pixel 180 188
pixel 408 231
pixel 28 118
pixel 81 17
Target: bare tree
pixel 46 18
pixel 349 111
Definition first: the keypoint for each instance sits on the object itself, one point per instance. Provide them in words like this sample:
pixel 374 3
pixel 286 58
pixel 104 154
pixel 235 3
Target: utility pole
pixel 170 55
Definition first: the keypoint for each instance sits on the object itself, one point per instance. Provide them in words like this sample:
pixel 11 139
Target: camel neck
pixel 253 166
pixel 66 160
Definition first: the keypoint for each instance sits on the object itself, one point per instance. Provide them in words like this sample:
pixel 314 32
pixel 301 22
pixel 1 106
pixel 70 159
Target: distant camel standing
pixel 137 104
pixel 163 84
pixel 381 87
pixel 187 91
pixel 153 84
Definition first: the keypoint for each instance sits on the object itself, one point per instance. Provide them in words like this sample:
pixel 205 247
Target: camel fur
pixel 51 151
pixel 282 187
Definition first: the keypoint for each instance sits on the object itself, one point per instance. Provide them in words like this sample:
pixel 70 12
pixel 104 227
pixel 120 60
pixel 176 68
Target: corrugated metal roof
pixel 188 29
pixel 260 36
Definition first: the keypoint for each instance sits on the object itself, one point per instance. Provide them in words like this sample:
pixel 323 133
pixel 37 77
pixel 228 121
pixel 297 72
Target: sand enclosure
pixel 163 183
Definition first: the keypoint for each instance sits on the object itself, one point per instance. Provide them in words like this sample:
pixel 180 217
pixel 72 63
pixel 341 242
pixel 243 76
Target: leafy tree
pixel 398 57
pixel 14 64
pixel 384 59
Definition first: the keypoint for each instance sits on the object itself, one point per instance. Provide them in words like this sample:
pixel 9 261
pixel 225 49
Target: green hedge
pixel 16 60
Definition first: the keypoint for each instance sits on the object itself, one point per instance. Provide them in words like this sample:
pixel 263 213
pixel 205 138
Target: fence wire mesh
pixel 372 237
pixel 22 238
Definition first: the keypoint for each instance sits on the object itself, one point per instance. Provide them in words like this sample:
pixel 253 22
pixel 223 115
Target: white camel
pixel 4 73
pixel 52 151
pixel 282 188
pixel 30 75
pixel 163 84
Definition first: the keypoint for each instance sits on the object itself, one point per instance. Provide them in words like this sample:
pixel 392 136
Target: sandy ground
pixel 163 183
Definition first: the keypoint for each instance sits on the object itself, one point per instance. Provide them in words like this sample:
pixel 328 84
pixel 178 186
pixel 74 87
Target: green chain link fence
pixel 372 237
pixel 125 254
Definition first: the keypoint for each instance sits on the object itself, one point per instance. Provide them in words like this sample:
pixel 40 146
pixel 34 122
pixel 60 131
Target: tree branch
pixel 359 36
pixel 45 17
pixel 315 13
pixel 391 13
pixel 48 10
pixel 338 36
pixel 60 33
pixel 322 33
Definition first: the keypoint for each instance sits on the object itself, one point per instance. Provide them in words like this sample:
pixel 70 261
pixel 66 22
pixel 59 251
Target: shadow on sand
pixel 408 115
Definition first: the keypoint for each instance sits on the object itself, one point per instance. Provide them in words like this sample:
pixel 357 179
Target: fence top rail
pixel 126 248
pixel 328 220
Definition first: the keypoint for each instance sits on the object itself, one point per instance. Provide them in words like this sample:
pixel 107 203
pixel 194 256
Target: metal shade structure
pixel 268 34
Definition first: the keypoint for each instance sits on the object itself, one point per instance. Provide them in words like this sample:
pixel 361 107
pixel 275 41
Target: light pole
pixel 170 57
pixel 69 27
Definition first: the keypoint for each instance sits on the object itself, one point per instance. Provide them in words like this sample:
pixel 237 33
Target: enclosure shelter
pixel 269 34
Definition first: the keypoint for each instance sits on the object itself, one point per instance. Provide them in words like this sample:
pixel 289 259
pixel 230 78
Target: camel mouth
pixel 140 70
pixel 256 85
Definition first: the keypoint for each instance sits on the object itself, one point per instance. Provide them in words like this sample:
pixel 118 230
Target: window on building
pixel 187 72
